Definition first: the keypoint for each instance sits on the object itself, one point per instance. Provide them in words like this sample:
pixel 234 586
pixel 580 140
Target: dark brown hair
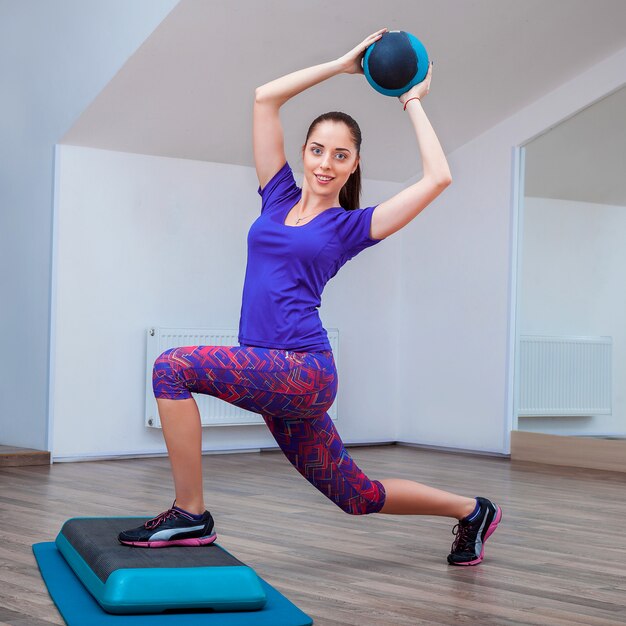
pixel 350 194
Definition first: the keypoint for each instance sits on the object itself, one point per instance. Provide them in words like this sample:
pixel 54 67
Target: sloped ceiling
pixel 188 91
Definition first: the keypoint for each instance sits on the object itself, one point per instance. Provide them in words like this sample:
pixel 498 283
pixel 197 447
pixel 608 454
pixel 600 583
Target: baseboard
pixel 124 456
pixel 422 446
pixel 140 454
pixel 21 457
pixel 129 454
pixel 587 452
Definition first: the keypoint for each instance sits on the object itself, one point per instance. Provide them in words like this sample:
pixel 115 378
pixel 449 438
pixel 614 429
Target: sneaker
pixel 469 546
pixel 174 527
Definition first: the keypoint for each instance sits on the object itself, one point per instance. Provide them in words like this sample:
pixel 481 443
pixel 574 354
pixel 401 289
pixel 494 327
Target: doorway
pixel 571 255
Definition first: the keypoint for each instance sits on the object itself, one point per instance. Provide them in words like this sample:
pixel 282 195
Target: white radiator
pixel 565 376
pixel 213 411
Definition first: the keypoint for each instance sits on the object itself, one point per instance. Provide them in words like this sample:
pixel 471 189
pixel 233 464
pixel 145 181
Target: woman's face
pixel 329 157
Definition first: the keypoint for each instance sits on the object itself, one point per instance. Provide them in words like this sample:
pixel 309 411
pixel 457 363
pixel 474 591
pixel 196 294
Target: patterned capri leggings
pixel 292 391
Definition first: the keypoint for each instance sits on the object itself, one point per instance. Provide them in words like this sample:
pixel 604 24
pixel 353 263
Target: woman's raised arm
pixel 391 215
pixel 268 142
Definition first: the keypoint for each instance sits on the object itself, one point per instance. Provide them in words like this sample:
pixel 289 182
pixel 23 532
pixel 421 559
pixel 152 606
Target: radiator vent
pixel 565 376
pixel 213 411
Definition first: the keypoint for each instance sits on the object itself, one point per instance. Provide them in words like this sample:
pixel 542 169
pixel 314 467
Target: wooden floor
pixel 557 558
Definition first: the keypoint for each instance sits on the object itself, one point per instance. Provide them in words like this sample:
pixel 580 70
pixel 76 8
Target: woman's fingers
pixel 352 60
pixel 429 77
pixel 374 37
pixel 368 41
pixel 379 33
pixel 365 44
pixel 421 89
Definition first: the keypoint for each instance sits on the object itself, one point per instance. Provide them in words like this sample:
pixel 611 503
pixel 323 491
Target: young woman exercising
pixel 284 367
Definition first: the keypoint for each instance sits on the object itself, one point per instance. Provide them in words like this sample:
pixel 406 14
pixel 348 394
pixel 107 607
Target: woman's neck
pixel 311 202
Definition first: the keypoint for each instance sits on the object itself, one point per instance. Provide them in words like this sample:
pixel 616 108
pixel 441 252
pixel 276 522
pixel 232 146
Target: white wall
pixel 55 57
pixel 454 269
pixel 457 289
pixel 151 241
pixel 572 283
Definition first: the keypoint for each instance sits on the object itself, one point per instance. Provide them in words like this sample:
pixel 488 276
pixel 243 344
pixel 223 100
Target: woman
pixel 284 368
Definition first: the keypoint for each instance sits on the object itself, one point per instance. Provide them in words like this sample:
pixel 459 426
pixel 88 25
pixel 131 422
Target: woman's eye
pixel 316 150
pixel 340 156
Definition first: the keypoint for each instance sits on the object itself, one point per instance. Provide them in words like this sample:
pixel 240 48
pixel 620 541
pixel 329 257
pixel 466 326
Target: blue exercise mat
pixel 78 607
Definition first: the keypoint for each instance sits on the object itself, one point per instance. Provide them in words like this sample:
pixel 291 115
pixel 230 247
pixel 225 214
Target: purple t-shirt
pixel 289 266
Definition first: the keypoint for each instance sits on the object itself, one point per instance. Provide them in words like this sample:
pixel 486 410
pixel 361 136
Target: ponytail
pixel 350 194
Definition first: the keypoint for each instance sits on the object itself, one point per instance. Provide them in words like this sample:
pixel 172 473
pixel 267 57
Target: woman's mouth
pixel 323 180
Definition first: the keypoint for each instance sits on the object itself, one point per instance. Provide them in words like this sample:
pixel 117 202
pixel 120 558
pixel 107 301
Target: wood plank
pixel 11 456
pixel 589 452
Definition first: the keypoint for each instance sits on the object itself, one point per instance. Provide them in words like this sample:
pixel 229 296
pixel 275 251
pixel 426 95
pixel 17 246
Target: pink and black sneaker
pixel 472 532
pixel 174 527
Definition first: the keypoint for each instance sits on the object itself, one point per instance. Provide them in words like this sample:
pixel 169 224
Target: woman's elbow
pixel 259 94
pixel 264 96
pixel 441 181
pixel 445 181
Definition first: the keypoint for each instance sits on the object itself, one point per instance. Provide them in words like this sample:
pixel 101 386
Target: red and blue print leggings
pixel 293 392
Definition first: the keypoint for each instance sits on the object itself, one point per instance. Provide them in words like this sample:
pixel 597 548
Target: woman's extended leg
pixel 315 449
pixel 406 497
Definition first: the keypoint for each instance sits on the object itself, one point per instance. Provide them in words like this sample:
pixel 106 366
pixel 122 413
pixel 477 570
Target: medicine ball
pixel 395 63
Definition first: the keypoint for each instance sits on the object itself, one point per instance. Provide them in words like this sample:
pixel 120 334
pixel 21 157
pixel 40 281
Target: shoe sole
pixel 191 542
pixel 490 531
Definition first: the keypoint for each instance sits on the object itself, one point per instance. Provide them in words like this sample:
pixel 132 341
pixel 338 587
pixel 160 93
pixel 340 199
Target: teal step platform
pixel 131 580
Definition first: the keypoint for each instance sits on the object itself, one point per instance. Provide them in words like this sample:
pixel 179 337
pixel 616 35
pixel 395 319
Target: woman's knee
pixel 368 500
pixel 164 365
pixel 163 358
pixel 168 380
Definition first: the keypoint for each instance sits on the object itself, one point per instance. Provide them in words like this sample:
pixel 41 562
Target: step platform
pixel 132 580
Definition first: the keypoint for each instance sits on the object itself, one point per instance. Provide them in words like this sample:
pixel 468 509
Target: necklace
pixel 305 217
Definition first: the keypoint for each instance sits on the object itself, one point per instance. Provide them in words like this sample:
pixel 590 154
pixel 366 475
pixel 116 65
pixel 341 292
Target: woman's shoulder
pixel 282 185
pixel 283 172
pixel 353 225
pixel 349 216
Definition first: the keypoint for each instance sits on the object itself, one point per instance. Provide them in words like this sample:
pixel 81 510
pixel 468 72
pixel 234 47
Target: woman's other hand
pixel 420 90
pixel 351 61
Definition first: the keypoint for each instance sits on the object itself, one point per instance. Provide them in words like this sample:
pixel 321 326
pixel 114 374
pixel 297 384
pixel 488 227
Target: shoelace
pixel 461 541
pixel 159 519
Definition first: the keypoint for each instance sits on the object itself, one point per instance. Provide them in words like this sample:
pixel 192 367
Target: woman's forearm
pixel 286 87
pixel 435 164
pixel 282 89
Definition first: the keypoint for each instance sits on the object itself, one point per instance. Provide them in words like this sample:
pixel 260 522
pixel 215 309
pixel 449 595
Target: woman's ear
pixel 358 160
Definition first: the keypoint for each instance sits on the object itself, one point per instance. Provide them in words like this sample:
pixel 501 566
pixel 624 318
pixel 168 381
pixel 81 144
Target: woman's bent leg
pixel 256 379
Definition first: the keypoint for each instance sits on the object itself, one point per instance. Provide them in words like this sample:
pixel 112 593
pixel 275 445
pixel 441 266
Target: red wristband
pixel 409 100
